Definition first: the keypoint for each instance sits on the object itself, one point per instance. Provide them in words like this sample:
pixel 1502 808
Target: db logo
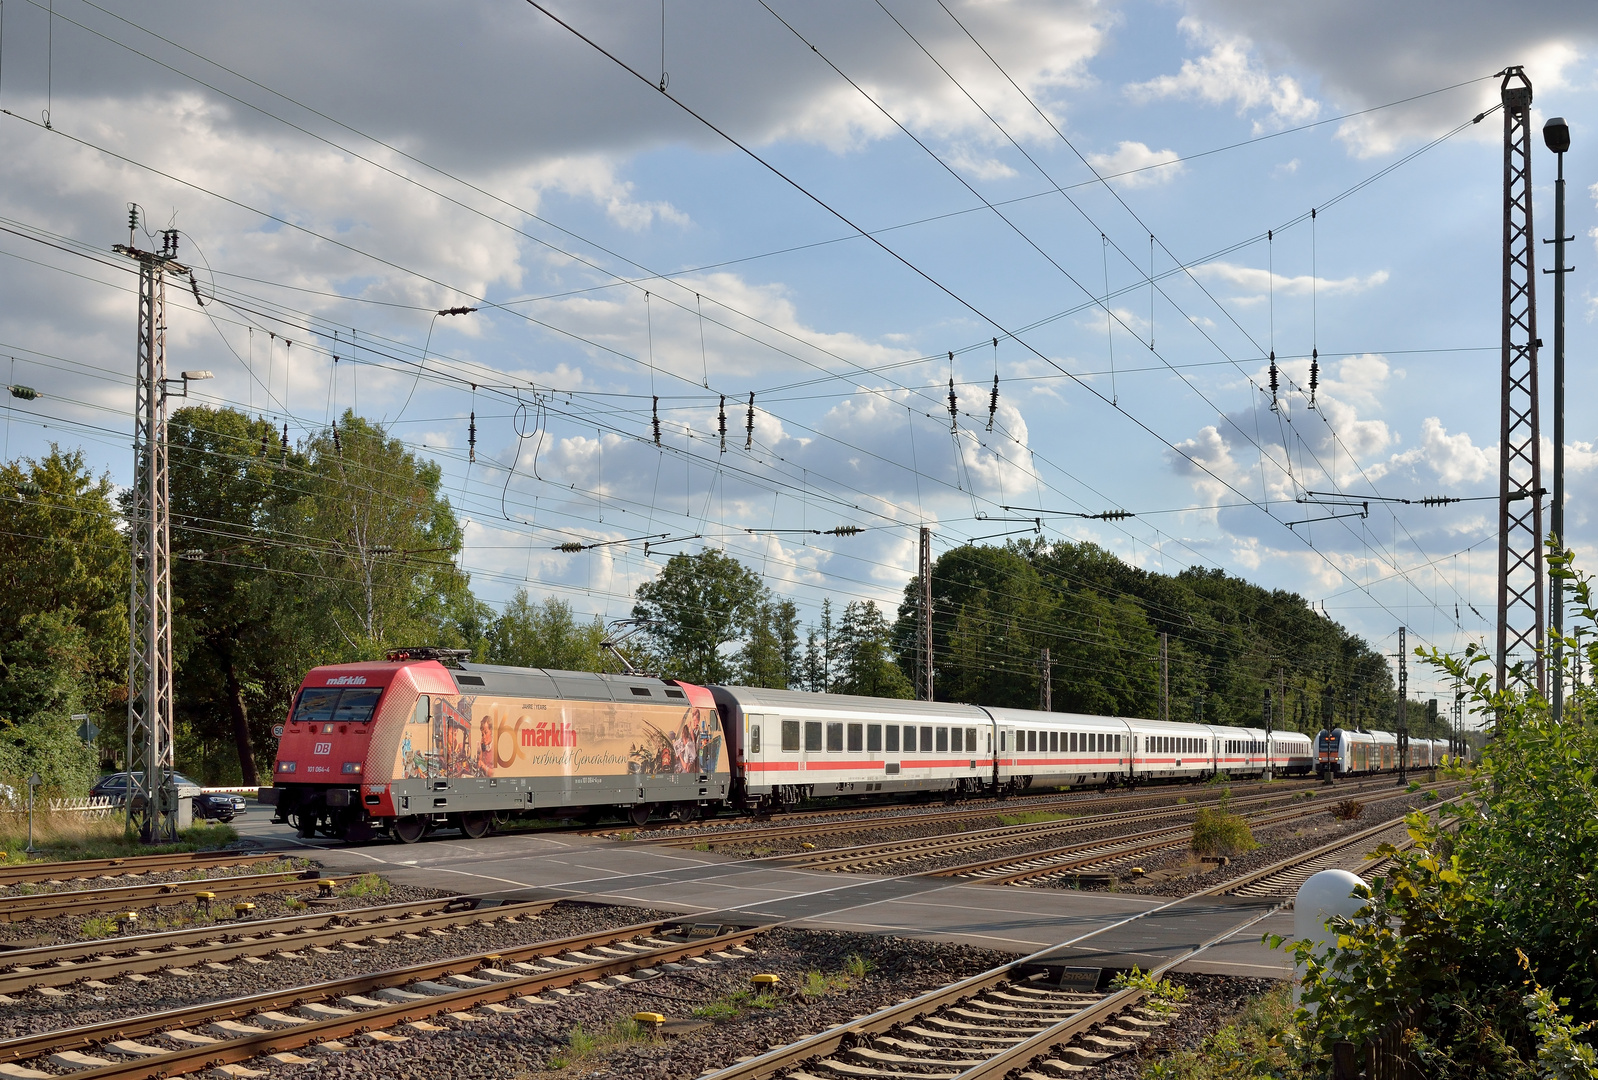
pixel 323 748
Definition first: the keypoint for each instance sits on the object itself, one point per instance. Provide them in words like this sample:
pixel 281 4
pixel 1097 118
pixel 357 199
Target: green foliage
pixel 546 635
pixel 1159 989
pixel 770 655
pixel 1471 926
pixel 700 604
pixel 1033 817
pixel 63 617
pixel 864 661
pixel 367 887
pixel 995 608
pixel 1216 831
pixel 1251 1046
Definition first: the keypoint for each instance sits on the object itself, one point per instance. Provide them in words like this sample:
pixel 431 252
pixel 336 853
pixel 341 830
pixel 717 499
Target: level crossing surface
pixel 1124 928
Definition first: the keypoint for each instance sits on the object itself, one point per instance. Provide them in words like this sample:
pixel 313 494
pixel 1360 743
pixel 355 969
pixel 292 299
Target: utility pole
pixel 151 805
pixel 1165 676
pixel 1267 733
pixel 926 614
pixel 1403 710
pixel 1046 684
pixel 1556 134
pixel 1520 491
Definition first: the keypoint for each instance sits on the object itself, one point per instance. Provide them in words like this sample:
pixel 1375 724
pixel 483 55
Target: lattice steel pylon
pixel 151 803
pixel 1520 494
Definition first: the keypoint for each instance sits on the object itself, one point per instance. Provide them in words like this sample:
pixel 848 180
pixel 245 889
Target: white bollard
pixel 1325 894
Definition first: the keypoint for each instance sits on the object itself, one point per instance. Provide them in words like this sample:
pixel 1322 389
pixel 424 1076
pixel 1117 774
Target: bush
pixel 1218 832
pixel 1489 934
pixel 1348 810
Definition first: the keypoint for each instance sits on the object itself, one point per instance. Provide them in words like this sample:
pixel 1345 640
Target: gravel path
pixel 528 1042
pixel 34 1012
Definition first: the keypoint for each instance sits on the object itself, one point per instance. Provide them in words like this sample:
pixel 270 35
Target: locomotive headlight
pixel 352 767
pixel 285 766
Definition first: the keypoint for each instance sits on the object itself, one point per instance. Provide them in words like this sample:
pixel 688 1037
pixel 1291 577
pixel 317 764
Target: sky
pixel 659 209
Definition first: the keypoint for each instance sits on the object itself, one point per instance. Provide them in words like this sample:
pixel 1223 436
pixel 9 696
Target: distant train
pixel 427 740
pixel 1360 753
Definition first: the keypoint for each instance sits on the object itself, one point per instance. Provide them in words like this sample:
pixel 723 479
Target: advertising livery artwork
pixel 694 748
pixel 476 736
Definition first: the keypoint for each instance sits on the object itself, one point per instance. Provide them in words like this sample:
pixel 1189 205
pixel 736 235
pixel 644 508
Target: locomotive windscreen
pixel 332 705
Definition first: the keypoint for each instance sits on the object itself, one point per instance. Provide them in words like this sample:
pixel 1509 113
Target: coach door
pixel 755 747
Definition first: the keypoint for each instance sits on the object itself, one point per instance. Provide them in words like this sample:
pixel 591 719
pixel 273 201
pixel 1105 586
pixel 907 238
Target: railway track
pixel 129 897
pixel 263 1025
pixel 130 866
pixel 854 819
pixel 210 948
pixel 900 853
pixel 1038 1018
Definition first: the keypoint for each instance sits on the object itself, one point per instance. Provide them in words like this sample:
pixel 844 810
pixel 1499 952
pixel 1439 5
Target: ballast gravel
pixel 537 1040
pixel 1276 843
pixel 1212 1002
pixel 33 1012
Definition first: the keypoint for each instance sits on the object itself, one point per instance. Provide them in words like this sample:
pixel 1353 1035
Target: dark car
pixel 216 806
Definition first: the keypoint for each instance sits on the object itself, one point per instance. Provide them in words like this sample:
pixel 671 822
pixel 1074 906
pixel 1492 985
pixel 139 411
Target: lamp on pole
pixel 1556 134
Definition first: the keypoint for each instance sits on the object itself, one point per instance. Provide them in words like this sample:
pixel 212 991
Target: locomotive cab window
pixel 790 736
pixel 813 735
pixel 356 706
pixel 322 705
pixel 893 738
pixel 424 710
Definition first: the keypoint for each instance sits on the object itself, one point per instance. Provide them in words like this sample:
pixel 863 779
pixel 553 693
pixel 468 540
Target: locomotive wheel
pixel 476 826
pixel 638 814
pixel 408 830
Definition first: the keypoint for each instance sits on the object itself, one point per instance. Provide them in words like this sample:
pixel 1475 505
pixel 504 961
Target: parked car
pixel 215 806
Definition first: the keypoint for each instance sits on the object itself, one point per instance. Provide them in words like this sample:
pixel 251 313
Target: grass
pixel 1250 1046
pixel 1219 832
pixel 584 1046
pixel 64 836
pixel 366 887
pixel 1033 817
pixel 814 984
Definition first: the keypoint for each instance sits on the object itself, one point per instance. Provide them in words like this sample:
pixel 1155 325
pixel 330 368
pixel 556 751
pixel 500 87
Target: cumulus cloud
pixel 1362 53
pixel 1453 459
pixel 1230 74
pixel 1135 165
pixel 1257 282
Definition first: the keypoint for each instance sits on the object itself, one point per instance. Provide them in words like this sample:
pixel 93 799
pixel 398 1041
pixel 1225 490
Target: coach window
pixel 893 738
pixel 1054 740
pixel 790 736
pixel 754 738
pixel 943 740
pixel 1117 747
pixel 813 735
pixel 926 740
pixel 834 738
pixel 856 737
pixel 956 740
pixel 874 738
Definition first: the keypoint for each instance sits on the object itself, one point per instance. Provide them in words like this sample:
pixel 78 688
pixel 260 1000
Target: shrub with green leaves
pixel 1484 942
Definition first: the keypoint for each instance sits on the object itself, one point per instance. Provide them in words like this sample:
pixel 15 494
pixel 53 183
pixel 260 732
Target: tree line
pixel 343 545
